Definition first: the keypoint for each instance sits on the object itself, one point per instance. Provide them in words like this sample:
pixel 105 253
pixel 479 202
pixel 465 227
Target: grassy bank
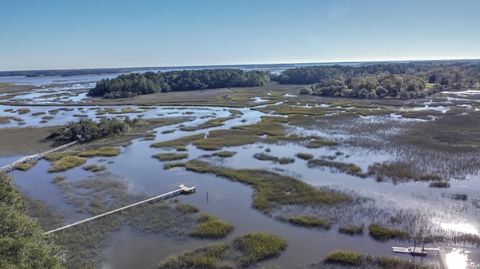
pixel 349 259
pixel 209 226
pixel 272 189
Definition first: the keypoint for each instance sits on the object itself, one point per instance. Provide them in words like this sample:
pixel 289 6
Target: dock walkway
pixel 181 190
pixel 35 157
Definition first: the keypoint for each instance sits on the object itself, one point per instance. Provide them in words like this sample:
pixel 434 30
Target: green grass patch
pixel 343 257
pixel 170 165
pixel 273 189
pixel 186 208
pixel 358 260
pixel 224 154
pixel 23 111
pixel 351 229
pixel 383 233
pixel 181 142
pixel 208 124
pixel 26 165
pixel 211 227
pixel 94 168
pixel 309 221
pixel 304 156
pixel 55 156
pixel 399 172
pixel 265 157
pixel 209 257
pixel 255 247
pixel 170 156
pixel 65 163
pixel 38 113
pixel 348 168
pixel 100 152
pixel 319 142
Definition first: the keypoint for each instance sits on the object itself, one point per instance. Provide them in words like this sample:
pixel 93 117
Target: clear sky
pixel 46 34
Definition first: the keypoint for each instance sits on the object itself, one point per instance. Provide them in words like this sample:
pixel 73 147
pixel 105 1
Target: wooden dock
pixel 35 157
pixel 423 251
pixel 182 189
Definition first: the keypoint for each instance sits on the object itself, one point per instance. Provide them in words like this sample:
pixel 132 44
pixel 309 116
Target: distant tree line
pixel 187 80
pixel 392 80
pixel 86 130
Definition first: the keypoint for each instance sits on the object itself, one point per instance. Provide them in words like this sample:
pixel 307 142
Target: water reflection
pixel 457 259
pixel 460 227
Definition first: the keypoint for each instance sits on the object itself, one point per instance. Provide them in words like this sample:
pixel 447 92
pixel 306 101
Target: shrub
pixel 86 130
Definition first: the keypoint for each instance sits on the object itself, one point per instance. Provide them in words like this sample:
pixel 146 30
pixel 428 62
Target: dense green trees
pixel 186 80
pixel 22 243
pixel 87 130
pixel 393 80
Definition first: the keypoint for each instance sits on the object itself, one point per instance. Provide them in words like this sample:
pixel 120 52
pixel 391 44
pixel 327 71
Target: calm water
pixel 146 175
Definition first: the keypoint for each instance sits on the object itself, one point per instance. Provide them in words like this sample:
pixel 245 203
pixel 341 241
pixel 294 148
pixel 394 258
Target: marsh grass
pixel 58 179
pixel 304 156
pixel 308 221
pixel 186 208
pixel 256 247
pixel 398 172
pixel 65 163
pixel 94 168
pixel 181 142
pixel 348 168
pixel 351 229
pixel 25 166
pixel 343 257
pixel 85 244
pixel 383 233
pixel 170 165
pixel 273 189
pixel 100 152
pixel 358 260
pixel 23 111
pixel 265 157
pixel 262 156
pixel 211 227
pixel 439 184
pixel 170 156
pixel 209 257
pixel 208 124
pixel 319 142
pixel 225 154
pixel 286 160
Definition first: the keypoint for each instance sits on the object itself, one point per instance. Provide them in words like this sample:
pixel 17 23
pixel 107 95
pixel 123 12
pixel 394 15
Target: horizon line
pixel 247 64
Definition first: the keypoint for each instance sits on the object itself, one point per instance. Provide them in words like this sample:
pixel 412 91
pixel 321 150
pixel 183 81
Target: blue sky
pixel 50 34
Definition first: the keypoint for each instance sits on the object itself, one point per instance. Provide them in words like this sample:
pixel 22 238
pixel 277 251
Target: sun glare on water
pixel 456 260
pixel 460 227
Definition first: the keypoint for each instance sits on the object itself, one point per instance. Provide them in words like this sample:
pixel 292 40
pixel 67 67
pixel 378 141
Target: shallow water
pixel 146 175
